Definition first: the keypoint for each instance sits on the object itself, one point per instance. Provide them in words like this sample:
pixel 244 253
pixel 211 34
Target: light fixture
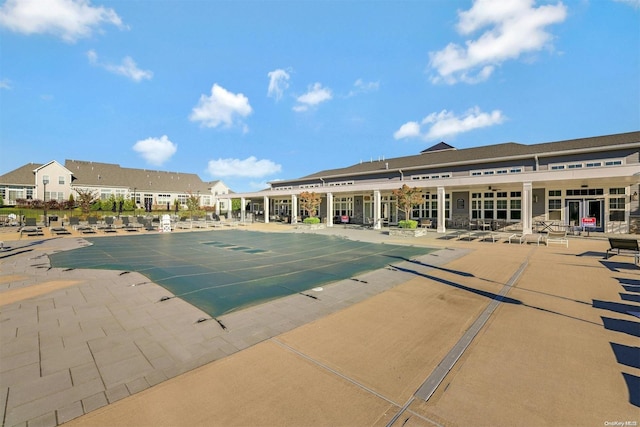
pixel 45 181
pixel 634 196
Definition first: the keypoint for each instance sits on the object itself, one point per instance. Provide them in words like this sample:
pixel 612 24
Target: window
pixel 516 209
pixel 555 193
pixel 586 192
pixel 61 180
pixel 501 209
pixel 594 164
pixel 617 204
pixel 476 205
pixel 555 209
pixel 613 163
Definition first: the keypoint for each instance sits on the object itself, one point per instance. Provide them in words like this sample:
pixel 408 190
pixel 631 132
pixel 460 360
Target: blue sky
pixel 255 91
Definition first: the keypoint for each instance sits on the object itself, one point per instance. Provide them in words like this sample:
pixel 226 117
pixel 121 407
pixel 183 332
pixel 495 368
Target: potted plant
pixel 407 198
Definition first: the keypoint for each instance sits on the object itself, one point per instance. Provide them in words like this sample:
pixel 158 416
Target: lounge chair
pixel 426 223
pixel 525 238
pixel 627 245
pixel 30 228
pixel 559 237
pixel 129 225
pixel 59 230
pixel 109 226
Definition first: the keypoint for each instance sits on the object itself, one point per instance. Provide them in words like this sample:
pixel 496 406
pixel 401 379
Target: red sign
pixel 588 222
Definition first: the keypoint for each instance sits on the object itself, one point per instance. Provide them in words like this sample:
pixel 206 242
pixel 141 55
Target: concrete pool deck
pixel 559 349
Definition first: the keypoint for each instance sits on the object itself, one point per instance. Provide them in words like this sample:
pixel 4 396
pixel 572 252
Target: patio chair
pixel 74 222
pixel 59 230
pixel 426 223
pixel 129 225
pixel 559 237
pixel 525 238
pixel 30 228
pixel 110 226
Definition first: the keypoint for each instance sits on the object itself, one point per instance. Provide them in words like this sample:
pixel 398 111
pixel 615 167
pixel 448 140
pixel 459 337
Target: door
pixel 578 209
pixel 595 210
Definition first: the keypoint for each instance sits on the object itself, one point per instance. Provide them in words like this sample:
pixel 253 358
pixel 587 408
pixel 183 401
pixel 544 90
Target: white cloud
pixel 278 83
pixel 408 130
pixel 68 19
pixel 314 96
pixel 446 124
pixel 512 27
pixel 360 86
pixel 249 167
pixel 156 151
pixel 127 68
pixel 5 84
pixel 222 107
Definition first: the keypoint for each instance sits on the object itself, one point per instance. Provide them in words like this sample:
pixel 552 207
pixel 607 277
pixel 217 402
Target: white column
pixel 527 208
pixel 441 205
pixel 229 209
pixel 294 209
pixel 243 209
pixel 377 209
pixel 266 209
pixel 329 209
pixel 218 207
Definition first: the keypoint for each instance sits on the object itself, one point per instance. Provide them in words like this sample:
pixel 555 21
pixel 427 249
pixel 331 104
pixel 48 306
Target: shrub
pixel 311 220
pixel 408 223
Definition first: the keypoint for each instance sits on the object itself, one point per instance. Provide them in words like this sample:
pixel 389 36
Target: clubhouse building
pixel 591 182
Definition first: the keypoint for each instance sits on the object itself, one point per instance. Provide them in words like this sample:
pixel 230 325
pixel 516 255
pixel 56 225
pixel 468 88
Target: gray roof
pixel 23 176
pixel 113 175
pixel 479 154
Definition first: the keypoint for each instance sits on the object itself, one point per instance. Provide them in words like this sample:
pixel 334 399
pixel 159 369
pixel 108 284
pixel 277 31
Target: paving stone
pixel 124 371
pixel 53 361
pixel 27 342
pixel 46 420
pixel 69 412
pixel 21 374
pixel 137 385
pixel 116 393
pixel 155 377
pixel 18 360
pixel 84 373
pixel 40 387
pixel 94 402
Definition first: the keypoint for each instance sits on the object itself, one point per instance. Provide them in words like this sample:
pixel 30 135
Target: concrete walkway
pixel 559 348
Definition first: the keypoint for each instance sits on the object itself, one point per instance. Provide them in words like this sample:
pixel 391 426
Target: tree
pixel 193 203
pixel 310 202
pixel 86 198
pixel 407 198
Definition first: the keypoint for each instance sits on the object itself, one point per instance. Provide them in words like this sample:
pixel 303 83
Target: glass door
pixel 595 210
pixel 578 209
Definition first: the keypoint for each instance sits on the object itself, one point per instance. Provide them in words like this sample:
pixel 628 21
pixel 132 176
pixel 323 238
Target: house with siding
pixel 509 185
pixel 54 181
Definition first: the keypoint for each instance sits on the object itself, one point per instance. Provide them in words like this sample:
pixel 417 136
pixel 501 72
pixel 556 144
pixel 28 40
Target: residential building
pixel 53 181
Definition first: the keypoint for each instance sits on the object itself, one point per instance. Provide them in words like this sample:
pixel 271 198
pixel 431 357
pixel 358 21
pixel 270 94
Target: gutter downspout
pixel 401 175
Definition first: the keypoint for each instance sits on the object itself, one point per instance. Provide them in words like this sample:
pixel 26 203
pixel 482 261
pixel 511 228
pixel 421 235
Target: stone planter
pixel 303 226
pixel 407 232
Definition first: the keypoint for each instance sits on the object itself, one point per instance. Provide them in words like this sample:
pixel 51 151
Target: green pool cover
pixel 222 271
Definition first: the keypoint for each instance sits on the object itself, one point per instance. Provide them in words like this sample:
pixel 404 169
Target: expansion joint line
pixel 434 380
pixel 333 371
